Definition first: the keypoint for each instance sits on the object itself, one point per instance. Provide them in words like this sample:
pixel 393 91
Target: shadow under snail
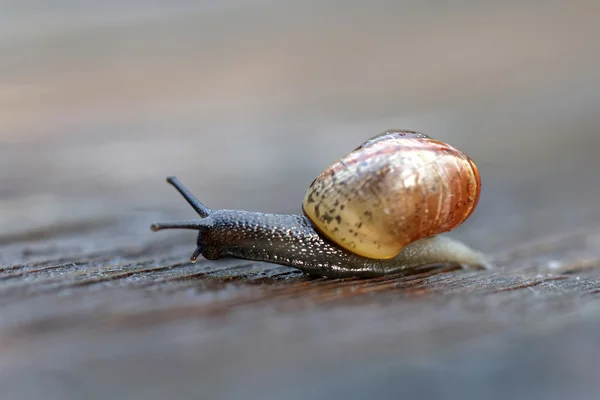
pixel 376 211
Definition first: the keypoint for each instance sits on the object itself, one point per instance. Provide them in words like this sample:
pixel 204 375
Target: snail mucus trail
pixel 378 210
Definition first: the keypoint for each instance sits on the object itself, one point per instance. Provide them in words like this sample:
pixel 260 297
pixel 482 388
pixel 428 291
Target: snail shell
pixel 395 188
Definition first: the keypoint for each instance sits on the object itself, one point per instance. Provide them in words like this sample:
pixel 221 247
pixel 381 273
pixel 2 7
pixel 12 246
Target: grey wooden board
pixel 100 105
pixel 139 322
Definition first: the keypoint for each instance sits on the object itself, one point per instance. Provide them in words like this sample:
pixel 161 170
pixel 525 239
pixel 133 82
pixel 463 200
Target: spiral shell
pixel 395 188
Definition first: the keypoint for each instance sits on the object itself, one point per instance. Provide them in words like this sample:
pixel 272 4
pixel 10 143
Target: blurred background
pixel 247 101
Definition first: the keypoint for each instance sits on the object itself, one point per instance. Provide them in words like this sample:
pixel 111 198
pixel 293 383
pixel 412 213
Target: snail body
pixel 376 211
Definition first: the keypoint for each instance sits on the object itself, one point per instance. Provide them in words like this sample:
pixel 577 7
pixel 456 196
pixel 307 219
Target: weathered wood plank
pixel 69 318
pixel 99 105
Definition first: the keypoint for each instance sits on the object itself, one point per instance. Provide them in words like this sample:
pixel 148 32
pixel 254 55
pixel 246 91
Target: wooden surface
pixel 100 105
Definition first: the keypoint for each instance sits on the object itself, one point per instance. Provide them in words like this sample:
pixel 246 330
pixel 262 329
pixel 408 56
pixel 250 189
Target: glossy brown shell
pixel 393 189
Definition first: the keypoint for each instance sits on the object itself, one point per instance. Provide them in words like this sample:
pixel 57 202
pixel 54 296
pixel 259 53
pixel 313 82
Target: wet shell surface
pixel 397 187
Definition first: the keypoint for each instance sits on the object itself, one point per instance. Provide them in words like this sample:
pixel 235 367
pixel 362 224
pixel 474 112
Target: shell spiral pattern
pixel 396 188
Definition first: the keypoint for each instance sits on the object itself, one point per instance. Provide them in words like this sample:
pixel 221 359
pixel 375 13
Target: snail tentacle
pixel 193 224
pixel 200 208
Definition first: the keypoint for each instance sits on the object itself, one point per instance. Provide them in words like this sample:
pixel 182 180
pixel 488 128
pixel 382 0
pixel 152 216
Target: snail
pixel 378 210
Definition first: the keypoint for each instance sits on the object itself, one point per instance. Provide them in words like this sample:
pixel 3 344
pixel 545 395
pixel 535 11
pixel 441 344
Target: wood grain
pixel 246 107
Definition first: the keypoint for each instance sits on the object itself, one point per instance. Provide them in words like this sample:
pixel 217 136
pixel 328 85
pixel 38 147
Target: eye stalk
pixel 193 224
pixel 201 209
